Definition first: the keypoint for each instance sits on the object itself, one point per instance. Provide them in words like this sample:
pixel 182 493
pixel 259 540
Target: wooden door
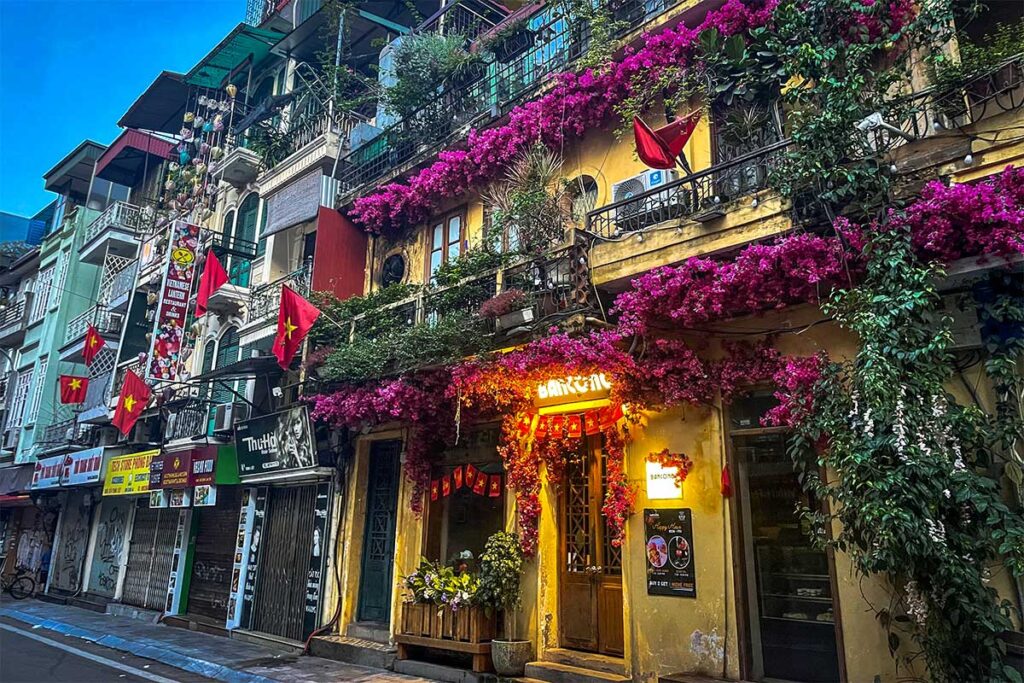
pixel 590 581
pixel 375 584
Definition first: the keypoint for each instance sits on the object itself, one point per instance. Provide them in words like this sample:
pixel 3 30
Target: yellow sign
pixel 573 388
pixel 183 256
pixel 128 475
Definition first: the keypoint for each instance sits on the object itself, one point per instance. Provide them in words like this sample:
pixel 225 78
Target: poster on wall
pixel 172 304
pixel 668 537
pixel 317 556
pixel 252 562
pixel 281 442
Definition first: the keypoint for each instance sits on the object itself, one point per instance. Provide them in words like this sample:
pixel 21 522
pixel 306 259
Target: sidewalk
pixel 223 659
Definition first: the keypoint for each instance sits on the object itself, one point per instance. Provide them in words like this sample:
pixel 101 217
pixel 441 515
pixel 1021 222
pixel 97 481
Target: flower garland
pixel 621 495
pixel 680 461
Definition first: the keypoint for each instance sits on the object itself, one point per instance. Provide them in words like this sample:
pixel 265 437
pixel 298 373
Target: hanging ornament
pixel 198 122
pixel 212 168
pixel 218 122
pixel 457 477
pixel 173 166
pixel 435 489
pixel 726 482
pixel 183 156
pixel 169 185
pixel 494 487
pixel 189 117
pixel 202 100
pixel 231 90
pixel 204 148
pixel 208 127
pixel 216 153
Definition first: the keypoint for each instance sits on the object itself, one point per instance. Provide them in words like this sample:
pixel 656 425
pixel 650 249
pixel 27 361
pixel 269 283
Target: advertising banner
pixel 83 468
pixel 128 475
pixel 46 474
pixel 172 307
pixel 281 442
pixel 668 535
pixel 317 556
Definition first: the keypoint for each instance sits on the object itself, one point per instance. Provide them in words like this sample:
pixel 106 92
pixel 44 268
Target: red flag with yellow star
pixel 72 388
pixel 93 343
pixel 130 404
pixel 294 321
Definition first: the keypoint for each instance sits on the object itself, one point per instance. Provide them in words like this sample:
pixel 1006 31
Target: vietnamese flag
pixel 213 278
pixel 457 477
pixel 591 420
pixel 446 486
pixel 659 148
pixel 130 404
pixel 294 321
pixel 494 489
pixel 93 343
pixel 574 426
pixel 471 474
pixel 433 489
pixel 72 388
pixel 480 487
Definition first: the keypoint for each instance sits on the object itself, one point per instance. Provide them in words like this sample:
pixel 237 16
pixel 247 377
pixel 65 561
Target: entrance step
pixel 586 660
pixel 118 609
pixel 553 672
pixel 89 602
pixel 353 651
pixel 269 640
pixel 202 625
pixel 53 598
pixel 369 630
pixel 440 672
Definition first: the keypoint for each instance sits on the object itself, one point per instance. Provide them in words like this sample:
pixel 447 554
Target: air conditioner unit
pixel 169 427
pixel 647 211
pixel 226 415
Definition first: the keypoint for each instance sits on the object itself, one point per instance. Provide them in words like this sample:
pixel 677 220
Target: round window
pixel 393 270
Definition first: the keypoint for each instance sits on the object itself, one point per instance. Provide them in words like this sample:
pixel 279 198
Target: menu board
pixel 668 540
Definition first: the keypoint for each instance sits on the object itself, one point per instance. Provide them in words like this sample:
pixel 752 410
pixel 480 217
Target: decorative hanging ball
pixel 212 167
pixel 202 100
pixel 225 105
pixel 169 185
pixel 216 152
pixel 151 297
pixel 218 122
pixel 204 148
pixel 208 127
pixel 189 117
pixel 198 123
pixel 200 166
pixel 231 90
pixel 183 156
pixel 207 213
pixel 174 165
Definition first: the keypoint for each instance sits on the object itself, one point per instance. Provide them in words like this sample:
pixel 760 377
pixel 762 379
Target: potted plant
pixel 508 309
pixel 501 565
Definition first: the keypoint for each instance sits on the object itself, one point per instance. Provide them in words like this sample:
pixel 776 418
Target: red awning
pixel 126 158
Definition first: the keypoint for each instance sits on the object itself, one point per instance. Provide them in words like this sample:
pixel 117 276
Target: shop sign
pixel 204 462
pixel 172 305
pixel 204 495
pixel 47 472
pixel 83 467
pixel 662 482
pixel 175 470
pixel 572 388
pixel 253 544
pixel 128 475
pixel 180 469
pixel 282 442
pixel 668 536
pixel 317 556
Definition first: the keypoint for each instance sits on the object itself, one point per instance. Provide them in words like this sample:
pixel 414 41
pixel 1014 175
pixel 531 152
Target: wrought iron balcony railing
pixel 120 215
pixel 698 196
pixel 104 320
pixel 188 421
pixel 135 365
pixel 98 391
pixel 265 300
pixel 15 315
pixel 547 43
pixel 67 431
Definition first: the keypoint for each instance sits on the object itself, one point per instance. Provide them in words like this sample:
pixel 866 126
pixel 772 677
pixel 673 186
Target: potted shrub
pixel 501 566
pixel 508 309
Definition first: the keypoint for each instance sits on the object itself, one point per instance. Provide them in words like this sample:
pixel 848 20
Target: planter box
pixel 467 630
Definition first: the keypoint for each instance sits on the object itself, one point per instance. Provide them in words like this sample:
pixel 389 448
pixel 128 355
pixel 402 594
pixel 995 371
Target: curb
pixel 142 647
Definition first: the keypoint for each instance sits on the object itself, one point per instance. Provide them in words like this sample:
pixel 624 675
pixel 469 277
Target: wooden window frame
pixel 444 220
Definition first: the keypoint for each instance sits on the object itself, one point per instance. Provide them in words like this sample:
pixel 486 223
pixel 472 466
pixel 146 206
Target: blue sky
pixel 70 68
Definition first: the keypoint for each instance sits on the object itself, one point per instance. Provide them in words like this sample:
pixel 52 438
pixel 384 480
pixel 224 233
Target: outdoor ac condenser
pixel 226 415
pixel 630 217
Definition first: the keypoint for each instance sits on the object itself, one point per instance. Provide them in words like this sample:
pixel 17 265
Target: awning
pixel 74 172
pixel 244 42
pixel 242 369
pixel 128 156
pixel 15 479
pixel 161 107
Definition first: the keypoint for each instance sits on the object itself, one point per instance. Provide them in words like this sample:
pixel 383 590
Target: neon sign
pixel 573 388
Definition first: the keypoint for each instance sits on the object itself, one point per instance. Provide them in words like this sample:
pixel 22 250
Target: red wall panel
pixel 339 262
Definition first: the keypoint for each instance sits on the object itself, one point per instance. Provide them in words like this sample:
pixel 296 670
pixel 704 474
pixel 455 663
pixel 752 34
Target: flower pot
pixel 510 656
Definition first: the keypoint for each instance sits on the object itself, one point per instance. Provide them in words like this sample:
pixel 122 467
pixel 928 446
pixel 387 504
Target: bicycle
pixel 19 585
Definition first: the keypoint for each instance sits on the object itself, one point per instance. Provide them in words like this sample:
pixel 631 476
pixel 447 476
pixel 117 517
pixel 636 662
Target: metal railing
pixel 104 320
pixel 124 281
pixel 120 215
pixel 551 43
pixel 265 300
pixel 190 420
pixel 698 195
pixel 98 391
pixel 15 314
pixel 139 368
pixel 933 110
pixel 67 431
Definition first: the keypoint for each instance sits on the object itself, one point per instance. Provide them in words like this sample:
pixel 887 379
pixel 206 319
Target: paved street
pixel 30 655
pixel 54 643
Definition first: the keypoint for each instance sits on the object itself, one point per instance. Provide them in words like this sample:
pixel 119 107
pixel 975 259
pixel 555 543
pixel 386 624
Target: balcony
pixel 187 420
pixel 703 212
pixel 95 408
pixel 122 283
pixel 240 166
pixel 115 231
pixel 120 372
pixel 13 319
pixel 265 301
pixel 548 43
pixel 108 323
pixel 64 434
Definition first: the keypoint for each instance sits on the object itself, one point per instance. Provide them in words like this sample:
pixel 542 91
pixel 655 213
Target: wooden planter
pixel 468 630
